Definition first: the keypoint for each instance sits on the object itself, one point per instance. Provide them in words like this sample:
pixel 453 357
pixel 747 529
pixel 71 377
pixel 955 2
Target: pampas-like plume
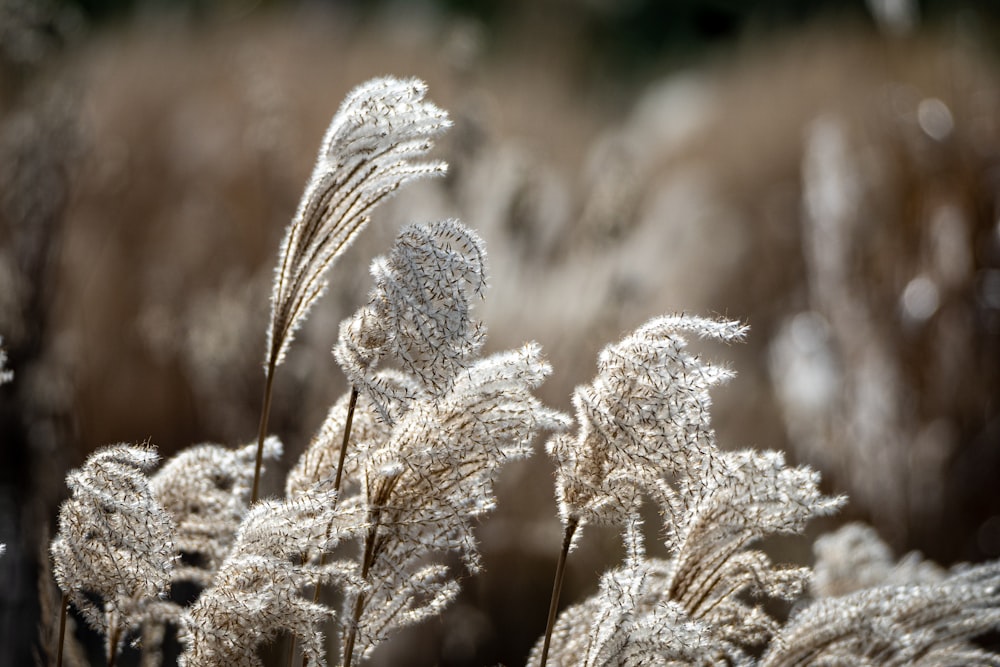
pixel 205 490
pixel 645 415
pixel 631 621
pixel 871 609
pixel 418 312
pixel 698 601
pixel 431 480
pixel 374 145
pixel 916 624
pixel 319 461
pixel 257 592
pixel 645 429
pixel 425 469
pixel 114 551
pixel 730 501
pixel 855 557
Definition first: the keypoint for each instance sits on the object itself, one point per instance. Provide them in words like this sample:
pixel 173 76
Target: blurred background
pixel 828 172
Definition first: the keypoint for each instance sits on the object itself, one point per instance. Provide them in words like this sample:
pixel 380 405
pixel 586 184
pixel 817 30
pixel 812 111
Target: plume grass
pixel 375 144
pixel 384 502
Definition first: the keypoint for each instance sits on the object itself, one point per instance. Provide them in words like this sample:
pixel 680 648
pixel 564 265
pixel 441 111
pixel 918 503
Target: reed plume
pixel 375 143
pixel 426 486
pixel 258 590
pixel 206 490
pixel 418 314
pixel 645 431
pixel 114 551
pixel 449 422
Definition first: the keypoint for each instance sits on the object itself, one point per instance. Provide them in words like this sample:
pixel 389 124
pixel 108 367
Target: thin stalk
pixel 63 610
pixel 113 643
pixel 359 604
pixel 265 413
pixel 557 587
pixel 347 435
pixel 336 487
pixel 359 607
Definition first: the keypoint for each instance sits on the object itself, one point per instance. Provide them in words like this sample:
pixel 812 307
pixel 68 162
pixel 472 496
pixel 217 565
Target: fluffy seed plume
pixel 645 431
pixel 318 463
pixel 373 146
pixel 722 507
pixel 645 415
pixel 439 466
pixel 916 624
pixel 426 486
pixel 257 592
pixel 418 313
pixel 114 550
pixel 855 557
pixel 205 489
pixel 632 621
pixel 872 609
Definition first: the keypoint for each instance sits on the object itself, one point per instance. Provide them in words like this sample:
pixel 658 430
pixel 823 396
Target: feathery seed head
pixel 375 143
pixel 645 430
pixel 434 477
pixel 645 415
pixel 205 489
pixel 419 312
pixel 930 623
pixel 631 621
pixel 855 557
pixel 257 592
pixel 319 462
pixel 115 541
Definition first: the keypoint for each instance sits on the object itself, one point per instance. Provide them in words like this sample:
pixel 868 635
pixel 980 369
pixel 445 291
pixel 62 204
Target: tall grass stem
pixel 557 588
pixel 63 610
pixel 359 605
pixel 265 413
pixel 336 486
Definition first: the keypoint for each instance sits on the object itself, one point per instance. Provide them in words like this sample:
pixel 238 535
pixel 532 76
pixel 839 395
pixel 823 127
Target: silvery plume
pixel 418 314
pixel 320 459
pixel 855 557
pixel 259 589
pixel 645 415
pixel 375 144
pixel 114 551
pixel 872 610
pixel 426 486
pixel 206 490
pixel 432 432
pixel 645 431
pixel 632 621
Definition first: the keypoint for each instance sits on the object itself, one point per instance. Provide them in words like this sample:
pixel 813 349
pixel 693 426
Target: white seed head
pixel 205 489
pixel 418 313
pixel 375 143
pixel 114 551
